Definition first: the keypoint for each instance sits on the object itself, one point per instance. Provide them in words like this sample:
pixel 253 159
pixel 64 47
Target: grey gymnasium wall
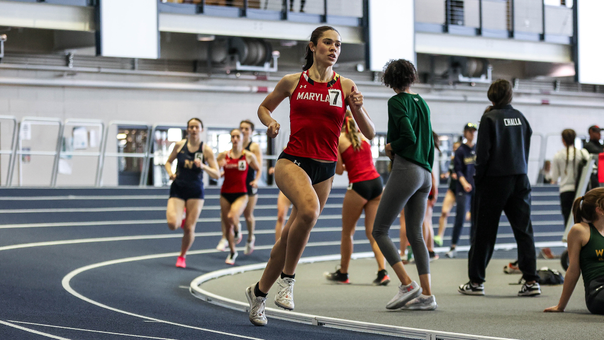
pixel 451 108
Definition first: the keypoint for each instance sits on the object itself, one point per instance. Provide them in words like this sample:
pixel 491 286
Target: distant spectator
pixel 594 147
pixel 291 5
pixel 565 169
pixel 545 174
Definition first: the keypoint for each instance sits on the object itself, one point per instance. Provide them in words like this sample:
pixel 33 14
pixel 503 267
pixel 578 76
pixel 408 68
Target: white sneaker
pixel 257 306
pixel 422 302
pixel 451 254
pixel 231 258
pixel 249 246
pixel 404 295
pixel 285 295
pixel 222 244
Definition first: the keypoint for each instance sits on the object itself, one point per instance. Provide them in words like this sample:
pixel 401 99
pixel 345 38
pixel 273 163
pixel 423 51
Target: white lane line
pixel 101 239
pixel 117 209
pixel 201 220
pixel 143 237
pixel 117 197
pixel 66 280
pixel 77 224
pixel 130 222
pixel 91 330
pixel 32 331
pixel 81 198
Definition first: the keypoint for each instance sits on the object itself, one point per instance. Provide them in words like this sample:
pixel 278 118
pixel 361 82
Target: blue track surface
pixel 46 234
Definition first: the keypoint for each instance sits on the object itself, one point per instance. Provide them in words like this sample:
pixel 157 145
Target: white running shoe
pixel 257 306
pixel 285 296
pixel 222 244
pixel 532 289
pixel 470 288
pixel 231 258
pixel 249 246
pixel 422 302
pixel 404 295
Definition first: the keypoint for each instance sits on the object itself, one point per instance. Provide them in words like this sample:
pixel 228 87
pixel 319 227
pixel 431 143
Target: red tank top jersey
pixel 316 116
pixel 359 163
pixel 235 174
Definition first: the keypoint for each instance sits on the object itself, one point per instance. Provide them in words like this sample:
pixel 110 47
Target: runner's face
pixel 194 128
pixel 235 138
pixel 246 130
pixel 328 48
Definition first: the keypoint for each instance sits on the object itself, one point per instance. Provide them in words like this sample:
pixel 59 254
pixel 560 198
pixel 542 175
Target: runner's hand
pixel 273 129
pixel 355 98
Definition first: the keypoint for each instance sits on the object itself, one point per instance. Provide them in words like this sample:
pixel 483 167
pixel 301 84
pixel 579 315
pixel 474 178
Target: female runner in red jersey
pixel 187 186
pixel 304 172
pixel 233 194
pixel 364 193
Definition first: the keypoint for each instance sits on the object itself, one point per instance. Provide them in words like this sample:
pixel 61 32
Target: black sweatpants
pixel 512 195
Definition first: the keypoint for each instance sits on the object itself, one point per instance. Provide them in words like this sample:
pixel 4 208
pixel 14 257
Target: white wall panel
pixel 391 32
pixel 589 42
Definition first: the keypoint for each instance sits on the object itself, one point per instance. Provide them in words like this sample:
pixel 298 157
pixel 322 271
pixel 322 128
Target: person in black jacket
pixel 502 151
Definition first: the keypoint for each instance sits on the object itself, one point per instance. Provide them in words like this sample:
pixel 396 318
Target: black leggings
pixel 566 204
pixel 594 296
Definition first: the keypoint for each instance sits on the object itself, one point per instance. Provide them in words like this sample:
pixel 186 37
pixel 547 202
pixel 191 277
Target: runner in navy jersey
pixel 449 200
pixel 304 172
pixel 187 186
pixel 233 194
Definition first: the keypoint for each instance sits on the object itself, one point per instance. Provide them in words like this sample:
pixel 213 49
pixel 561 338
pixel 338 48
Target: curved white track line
pixel 32 331
pixel 290 316
pixel 66 280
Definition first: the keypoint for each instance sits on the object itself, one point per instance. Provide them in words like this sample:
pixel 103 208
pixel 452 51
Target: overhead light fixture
pixel 121 136
pixel 288 43
pixel 206 37
pixel 174 135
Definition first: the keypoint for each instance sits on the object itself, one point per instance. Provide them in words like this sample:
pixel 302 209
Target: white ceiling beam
pixel 508 49
pixel 47 16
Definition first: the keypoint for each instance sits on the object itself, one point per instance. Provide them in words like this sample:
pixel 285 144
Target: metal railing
pixel 297 10
pixel 526 19
pixel 104 154
pixel 150 138
pixel 540 146
pixel 18 150
pixel 10 151
pixel 83 123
